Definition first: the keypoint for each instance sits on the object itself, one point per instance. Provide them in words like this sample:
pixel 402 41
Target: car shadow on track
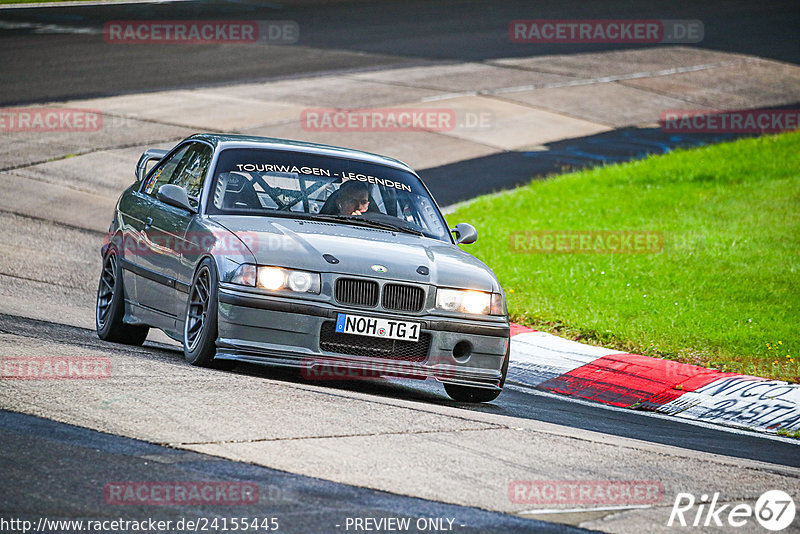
pixel 527 403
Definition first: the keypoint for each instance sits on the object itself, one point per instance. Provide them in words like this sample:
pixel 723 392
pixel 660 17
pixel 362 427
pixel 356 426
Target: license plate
pixel 377 327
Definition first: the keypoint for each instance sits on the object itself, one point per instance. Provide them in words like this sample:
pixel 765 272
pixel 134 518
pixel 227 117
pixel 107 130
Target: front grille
pixel 373 347
pixel 403 298
pixel 356 292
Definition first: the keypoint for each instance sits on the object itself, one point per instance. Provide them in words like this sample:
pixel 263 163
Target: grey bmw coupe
pixel 334 261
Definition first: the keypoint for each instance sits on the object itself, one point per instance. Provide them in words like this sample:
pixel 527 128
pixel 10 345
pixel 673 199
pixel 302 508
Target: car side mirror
pixel 151 154
pixel 465 233
pixel 175 195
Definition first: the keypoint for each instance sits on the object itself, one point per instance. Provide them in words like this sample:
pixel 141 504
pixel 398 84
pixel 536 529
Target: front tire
pixel 472 394
pixel 200 321
pixel 110 306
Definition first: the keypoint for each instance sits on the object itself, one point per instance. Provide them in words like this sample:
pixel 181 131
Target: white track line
pixel 94 3
pixel 579 510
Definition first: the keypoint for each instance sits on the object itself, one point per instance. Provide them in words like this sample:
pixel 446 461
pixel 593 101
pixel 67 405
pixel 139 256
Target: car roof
pixel 250 141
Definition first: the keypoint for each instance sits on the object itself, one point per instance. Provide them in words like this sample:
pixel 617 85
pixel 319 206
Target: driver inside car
pixel 352 198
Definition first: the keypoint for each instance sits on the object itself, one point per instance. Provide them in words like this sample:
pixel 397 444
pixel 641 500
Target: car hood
pixel 359 251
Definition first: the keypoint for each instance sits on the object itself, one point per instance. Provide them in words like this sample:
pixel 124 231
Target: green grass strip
pixel 724 290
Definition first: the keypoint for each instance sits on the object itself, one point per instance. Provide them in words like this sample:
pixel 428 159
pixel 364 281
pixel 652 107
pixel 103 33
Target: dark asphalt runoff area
pixel 57 472
pixel 448 186
pixel 41 60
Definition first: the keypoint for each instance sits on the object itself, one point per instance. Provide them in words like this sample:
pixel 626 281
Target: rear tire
pixel 110 306
pixel 472 394
pixel 200 320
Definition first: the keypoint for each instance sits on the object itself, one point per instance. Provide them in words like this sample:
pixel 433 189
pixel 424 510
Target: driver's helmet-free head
pixel 352 196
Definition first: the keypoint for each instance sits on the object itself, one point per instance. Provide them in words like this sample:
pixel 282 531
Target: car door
pixel 167 233
pixel 134 210
pixel 149 278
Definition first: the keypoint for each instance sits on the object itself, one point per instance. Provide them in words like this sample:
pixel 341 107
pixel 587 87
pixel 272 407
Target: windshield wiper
pixel 366 222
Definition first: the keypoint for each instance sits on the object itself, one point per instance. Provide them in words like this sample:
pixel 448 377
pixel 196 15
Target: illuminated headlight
pixel 271 278
pixel 276 279
pixel 465 301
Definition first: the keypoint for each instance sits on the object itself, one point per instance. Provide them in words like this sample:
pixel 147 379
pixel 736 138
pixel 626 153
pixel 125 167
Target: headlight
pixel 245 275
pixel 465 301
pixel 271 278
pixel 276 278
pixel 498 304
pixel 302 282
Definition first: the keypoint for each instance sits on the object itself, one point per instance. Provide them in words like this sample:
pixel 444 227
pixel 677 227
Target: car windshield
pixel 262 182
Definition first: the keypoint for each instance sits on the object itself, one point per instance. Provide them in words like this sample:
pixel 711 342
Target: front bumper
pixel 292 333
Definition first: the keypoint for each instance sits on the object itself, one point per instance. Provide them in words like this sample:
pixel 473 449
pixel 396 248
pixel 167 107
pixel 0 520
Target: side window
pixel 192 170
pixel 163 173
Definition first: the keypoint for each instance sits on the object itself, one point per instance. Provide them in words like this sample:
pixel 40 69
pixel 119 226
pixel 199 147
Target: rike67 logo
pixel 774 510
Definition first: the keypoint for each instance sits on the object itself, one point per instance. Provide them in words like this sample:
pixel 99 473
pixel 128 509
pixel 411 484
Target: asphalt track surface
pixel 58 471
pixel 53 469
pixel 514 401
pixel 40 64
pixel 71 460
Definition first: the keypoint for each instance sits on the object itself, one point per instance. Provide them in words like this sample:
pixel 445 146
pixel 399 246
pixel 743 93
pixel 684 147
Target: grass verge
pixel 724 290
